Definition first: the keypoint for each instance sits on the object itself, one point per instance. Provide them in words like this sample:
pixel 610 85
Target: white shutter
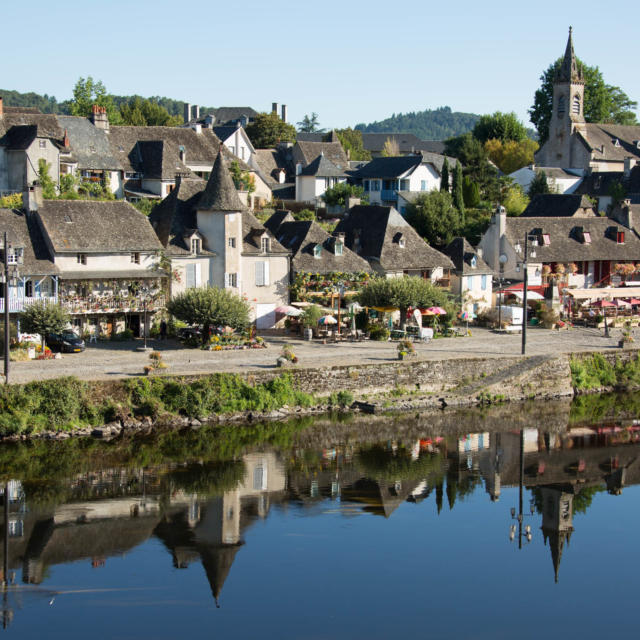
pixel 226 280
pixel 266 273
pixel 198 278
pixel 259 274
pixel 191 276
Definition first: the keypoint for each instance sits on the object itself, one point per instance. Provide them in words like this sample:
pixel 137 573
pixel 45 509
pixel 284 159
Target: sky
pixel 350 61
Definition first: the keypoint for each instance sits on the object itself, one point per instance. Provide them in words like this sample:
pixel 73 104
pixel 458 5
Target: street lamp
pixel 340 291
pixel 144 294
pixel 7 277
pixel 502 260
pixel 519 516
pixel 524 264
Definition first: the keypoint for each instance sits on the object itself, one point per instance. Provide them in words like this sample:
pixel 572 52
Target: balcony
pixel 111 304
pixel 18 305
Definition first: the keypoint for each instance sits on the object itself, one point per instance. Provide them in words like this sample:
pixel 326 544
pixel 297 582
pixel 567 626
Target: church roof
pixel 570 70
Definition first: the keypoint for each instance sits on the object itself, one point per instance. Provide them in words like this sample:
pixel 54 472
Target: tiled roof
pixel 89 144
pixel 230 114
pixel 612 142
pixel 96 227
pixel 323 167
pixel 333 151
pixel 407 142
pixel 379 230
pixel 557 205
pixel 565 238
pixel 389 167
pixel 46 124
pixel 253 230
pixel 462 255
pixel 220 193
pixel 24 232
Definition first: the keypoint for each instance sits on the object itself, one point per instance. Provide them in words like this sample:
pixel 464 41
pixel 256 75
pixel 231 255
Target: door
pixel 265 316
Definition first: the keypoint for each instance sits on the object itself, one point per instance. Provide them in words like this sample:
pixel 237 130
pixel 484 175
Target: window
pixel 135 258
pixel 620 237
pixel 42 144
pixel 131 175
pixel 195 245
pixel 366 185
pixel 402 243
pixel 375 185
pixel 483 283
pixel 423 185
pixel 262 273
pixel 231 242
pixel 265 245
pixel 586 236
pixel 259 479
pixel 469 282
pixel 28 289
pixel 546 239
pixel 232 149
pixel 474 262
pixel 575 105
pixel 81 258
pixel 233 280
pixel 561 107
pixel 338 247
pixel 317 251
pixel 193 275
pixel 15 255
pixel 404 185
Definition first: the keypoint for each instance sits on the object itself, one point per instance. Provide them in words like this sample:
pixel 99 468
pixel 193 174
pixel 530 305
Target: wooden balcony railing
pixel 17 305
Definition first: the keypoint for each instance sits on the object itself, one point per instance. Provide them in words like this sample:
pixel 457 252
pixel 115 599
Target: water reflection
pixel 200 508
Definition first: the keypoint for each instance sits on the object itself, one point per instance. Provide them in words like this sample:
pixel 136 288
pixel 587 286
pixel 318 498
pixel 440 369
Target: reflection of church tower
pixel 557 520
pixel 567 112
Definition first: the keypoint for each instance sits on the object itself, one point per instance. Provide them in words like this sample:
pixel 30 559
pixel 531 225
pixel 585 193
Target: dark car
pixel 189 332
pixel 66 341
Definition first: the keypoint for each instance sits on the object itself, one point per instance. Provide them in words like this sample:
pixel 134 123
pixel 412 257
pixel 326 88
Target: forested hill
pixel 431 124
pixel 49 104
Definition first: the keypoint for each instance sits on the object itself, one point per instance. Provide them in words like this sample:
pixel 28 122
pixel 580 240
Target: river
pixel 516 520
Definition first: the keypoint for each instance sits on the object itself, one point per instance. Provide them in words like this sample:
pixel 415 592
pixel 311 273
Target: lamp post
pixel 144 294
pixel 519 516
pixel 525 259
pixel 8 277
pixel 502 260
pixel 340 290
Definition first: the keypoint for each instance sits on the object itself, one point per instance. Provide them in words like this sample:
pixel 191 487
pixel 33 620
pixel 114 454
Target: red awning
pixel 520 287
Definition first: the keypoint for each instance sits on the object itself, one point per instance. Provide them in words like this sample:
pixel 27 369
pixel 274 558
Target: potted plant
pixel 626 342
pixel 406 349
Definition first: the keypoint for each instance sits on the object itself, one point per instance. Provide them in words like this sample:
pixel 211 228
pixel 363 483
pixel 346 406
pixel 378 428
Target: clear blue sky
pixel 350 61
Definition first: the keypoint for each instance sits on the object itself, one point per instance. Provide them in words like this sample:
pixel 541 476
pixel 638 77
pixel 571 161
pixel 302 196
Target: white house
pixel 559 180
pixel 313 180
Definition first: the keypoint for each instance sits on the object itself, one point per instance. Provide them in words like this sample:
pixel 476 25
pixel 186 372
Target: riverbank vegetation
pixel 596 372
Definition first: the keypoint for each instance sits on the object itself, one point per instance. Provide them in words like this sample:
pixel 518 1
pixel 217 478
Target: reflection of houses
pixel 557 519
pixel 214 240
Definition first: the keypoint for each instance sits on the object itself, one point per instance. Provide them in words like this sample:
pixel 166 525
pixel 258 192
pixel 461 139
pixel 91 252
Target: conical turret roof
pixel 220 193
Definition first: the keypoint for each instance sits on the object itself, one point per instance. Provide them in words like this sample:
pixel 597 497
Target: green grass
pixel 595 371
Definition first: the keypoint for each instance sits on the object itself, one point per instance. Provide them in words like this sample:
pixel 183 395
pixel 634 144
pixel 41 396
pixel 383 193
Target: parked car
pixel 66 341
pixel 189 332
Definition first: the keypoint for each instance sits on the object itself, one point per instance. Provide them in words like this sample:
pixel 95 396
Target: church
pixel 577 145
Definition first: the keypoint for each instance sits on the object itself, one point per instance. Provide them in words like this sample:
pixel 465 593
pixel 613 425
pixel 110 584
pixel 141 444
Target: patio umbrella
pixel 601 304
pixel 285 309
pixel 466 316
pixel 621 303
pixel 327 320
pixel 634 301
pixel 437 311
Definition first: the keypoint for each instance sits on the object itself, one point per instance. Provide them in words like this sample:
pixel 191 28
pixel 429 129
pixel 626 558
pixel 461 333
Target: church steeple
pixel 570 70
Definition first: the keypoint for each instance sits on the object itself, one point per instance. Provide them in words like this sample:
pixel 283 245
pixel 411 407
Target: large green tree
pixel 602 102
pixel 499 126
pixel 456 191
pixel 43 317
pixel 46 181
pixel 539 184
pixel 146 113
pixel 88 92
pixel 267 130
pixel 351 141
pixel 444 177
pixel 209 307
pixel 310 124
pixel 403 292
pixel 434 217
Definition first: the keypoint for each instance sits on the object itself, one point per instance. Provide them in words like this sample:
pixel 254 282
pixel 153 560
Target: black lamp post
pixel 144 294
pixel 8 277
pixel 502 260
pixel 519 516
pixel 525 259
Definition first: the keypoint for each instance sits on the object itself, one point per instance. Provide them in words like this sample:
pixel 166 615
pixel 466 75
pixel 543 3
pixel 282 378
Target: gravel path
pixel 121 360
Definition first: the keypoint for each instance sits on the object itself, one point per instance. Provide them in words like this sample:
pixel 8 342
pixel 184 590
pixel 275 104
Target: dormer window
pixel 474 262
pixel 401 241
pixel 586 237
pixel 546 239
pixel 196 246
pixel 15 255
pixel 620 237
pixel 135 257
pixel 317 251
pixel 265 244
pixel 616 143
pixel 337 247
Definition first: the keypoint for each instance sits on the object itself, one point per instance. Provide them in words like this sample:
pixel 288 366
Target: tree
pixel 501 126
pixel 511 155
pixel 242 180
pixel 515 200
pixel 88 92
pixel 444 177
pixel 602 102
pixel 403 292
pixel 340 194
pixel 147 113
pixel 43 317
pixel 390 149
pixel 209 307
pixel 310 124
pixel 472 155
pixel 434 217
pixel 311 315
pixel 267 130
pixel 539 184
pixel 458 199
pixel 351 141
pixel 470 192
pixel 617 192
pixel 46 182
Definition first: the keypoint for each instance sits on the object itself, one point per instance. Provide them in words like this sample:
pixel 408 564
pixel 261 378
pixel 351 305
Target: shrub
pixel 378 332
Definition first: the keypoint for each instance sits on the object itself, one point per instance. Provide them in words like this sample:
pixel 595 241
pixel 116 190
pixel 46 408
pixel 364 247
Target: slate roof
pixel 309 151
pixel 565 239
pixel 226 115
pixel 408 142
pixel 220 193
pixel 284 191
pixel 270 161
pixel 20 137
pixel 25 232
pixel 601 140
pixel 253 230
pixel 379 230
pixel 90 226
pixel 223 132
pixel 89 144
pixel 599 183
pixel 388 167
pixel 557 205
pixel 323 167
pixel 462 254
pixel 46 124
pixel 301 237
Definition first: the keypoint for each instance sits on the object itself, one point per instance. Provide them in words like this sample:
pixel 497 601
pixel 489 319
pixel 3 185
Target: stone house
pixel 212 239
pixel 313 180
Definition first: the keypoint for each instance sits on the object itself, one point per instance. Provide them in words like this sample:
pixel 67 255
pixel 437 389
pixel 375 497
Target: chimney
pixel 32 198
pixel 99 117
pixel 298 168
pixel 1 108
pixel 281 176
pixel 274 108
pixel 196 111
pixel 480 252
pixel 187 112
pixel 183 154
pixel 629 163
pixel 65 140
pixel 284 113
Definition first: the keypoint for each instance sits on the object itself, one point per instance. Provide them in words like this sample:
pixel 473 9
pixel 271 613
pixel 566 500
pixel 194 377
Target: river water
pixel 511 521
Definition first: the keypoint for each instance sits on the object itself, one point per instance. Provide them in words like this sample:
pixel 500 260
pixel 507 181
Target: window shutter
pixel 198 278
pixel 191 276
pixel 266 273
pixel 259 274
pixel 226 280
